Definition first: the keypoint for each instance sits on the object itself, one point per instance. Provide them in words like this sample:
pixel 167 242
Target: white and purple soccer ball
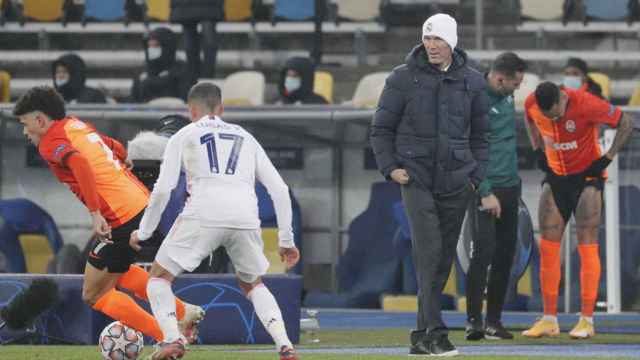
pixel 120 342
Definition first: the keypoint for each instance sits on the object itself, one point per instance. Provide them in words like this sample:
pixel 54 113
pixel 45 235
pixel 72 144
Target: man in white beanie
pixel 429 134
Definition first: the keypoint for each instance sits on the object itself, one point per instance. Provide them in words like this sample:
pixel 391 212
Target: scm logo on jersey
pixel 565 146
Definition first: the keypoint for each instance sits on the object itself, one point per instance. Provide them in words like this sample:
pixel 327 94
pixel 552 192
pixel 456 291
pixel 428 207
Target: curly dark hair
pixel 41 98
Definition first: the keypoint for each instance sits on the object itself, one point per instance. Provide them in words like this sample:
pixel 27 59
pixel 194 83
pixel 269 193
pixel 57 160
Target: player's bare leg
pixel 588 215
pixel 268 312
pixel 552 227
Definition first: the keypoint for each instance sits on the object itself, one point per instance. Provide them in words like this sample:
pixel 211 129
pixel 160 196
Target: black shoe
pixel 495 331
pixel 440 345
pixel 474 330
pixel 418 343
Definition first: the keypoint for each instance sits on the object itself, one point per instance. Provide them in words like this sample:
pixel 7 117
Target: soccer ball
pixel 120 342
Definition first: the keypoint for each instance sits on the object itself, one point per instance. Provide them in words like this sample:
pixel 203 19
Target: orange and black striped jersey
pixel 571 143
pixel 120 193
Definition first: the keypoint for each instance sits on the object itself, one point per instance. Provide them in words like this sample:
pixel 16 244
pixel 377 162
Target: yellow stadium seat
pixel 323 85
pixel 5 82
pixel 541 10
pixel 635 98
pixel 37 252
pixel 270 240
pixel 410 302
pixel 244 88
pixel 369 90
pixel 358 10
pixel 158 10
pixel 43 10
pixel 238 10
pixel 604 82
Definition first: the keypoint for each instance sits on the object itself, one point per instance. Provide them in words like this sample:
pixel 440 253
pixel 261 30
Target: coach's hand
pixel 134 241
pixel 101 229
pixel 491 204
pixel 400 176
pixel 290 256
pixel 541 159
pixel 597 167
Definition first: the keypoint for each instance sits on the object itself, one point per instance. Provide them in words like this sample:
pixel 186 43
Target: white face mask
pixel 292 83
pixel 154 53
pixel 61 82
pixel 573 82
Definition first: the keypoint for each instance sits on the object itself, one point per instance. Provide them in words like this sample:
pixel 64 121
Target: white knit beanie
pixel 442 26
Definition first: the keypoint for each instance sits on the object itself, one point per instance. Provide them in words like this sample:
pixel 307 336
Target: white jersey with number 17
pixel 222 162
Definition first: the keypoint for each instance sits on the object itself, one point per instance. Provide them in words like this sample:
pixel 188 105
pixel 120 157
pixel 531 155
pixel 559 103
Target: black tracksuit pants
pixel 494 243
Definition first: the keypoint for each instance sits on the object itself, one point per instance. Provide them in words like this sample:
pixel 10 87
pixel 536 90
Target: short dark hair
pixel 41 98
pixel 205 93
pixel 509 63
pixel 547 95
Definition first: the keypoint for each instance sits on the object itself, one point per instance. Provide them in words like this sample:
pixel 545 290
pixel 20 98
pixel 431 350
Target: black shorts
pixel 116 257
pixel 566 191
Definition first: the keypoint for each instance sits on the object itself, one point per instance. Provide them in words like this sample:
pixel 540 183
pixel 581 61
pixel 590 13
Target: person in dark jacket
pixel 576 76
pixel 164 76
pixel 69 76
pixel 494 213
pixel 429 134
pixel 295 85
pixel 190 13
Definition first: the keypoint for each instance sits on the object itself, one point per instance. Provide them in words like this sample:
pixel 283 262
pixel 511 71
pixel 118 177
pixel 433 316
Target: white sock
pixel 163 305
pixel 550 318
pixel 269 314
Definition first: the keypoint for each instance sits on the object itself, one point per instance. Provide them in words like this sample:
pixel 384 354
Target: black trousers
pixel 494 243
pixel 435 222
pixel 192 45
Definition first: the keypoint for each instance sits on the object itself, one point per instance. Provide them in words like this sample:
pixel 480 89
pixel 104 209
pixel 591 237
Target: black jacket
pixel 434 124
pixel 186 11
pixel 164 76
pixel 75 90
pixel 304 94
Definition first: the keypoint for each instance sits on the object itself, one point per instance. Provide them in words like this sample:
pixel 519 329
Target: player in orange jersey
pixel 563 128
pixel 93 166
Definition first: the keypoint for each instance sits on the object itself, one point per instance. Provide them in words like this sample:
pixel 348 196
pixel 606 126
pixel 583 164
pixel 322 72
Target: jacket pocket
pixel 412 151
pixel 458 158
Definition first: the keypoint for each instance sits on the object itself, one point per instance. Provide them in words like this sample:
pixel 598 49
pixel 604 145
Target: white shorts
pixel 188 243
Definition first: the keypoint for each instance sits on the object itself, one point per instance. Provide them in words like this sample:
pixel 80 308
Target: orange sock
pixel 136 280
pixel 549 275
pixel 122 307
pixel 589 277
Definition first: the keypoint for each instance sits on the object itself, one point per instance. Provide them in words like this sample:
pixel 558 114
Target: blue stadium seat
pixel 607 10
pixel 111 10
pixel 294 10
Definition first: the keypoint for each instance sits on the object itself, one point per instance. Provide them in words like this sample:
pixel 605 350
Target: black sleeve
pixel 385 122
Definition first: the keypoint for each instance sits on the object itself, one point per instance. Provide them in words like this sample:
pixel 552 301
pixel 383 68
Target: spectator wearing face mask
pixel 69 76
pixel 296 83
pixel 165 76
pixel 576 76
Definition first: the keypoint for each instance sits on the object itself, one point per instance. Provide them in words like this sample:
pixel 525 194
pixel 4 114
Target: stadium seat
pixel 42 10
pixel 358 10
pixel 369 89
pixel 37 252
pixel 604 81
pixel 238 10
pixel 542 10
pixel 528 85
pixel 635 97
pixel 167 101
pixel 323 85
pixel 294 10
pixel 270 240
pixel 158 10
pixel 606 10
pixel 244 88
pixel 5 85
pixel 103 10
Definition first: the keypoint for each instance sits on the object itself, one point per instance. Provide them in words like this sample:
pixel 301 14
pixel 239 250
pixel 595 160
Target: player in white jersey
pixel 222 162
